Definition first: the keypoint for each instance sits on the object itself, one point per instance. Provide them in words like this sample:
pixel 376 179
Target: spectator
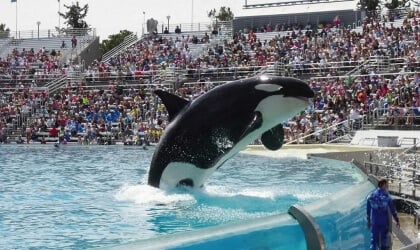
pixel 63 45
pixel 73 42
pixel 54 132
pixel 336 21
pixel 331 52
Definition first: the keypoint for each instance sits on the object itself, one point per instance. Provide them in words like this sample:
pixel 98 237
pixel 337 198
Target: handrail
pixel 169 86
pixel 364 75
pixel 414 147
pixel 57 85
pixel 374 114
pixel 412 246
pixel 127 42
pixel 49 33
pixel 413 170
pixel 52 83
pixel 28 78
pixel 319 131
pixel 357 68
pixel 230 70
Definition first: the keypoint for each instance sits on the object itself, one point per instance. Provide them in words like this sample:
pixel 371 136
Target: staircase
pixel 55 85
pixel 127 42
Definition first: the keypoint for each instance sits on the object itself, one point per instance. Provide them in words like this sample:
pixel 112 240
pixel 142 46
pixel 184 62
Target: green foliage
pixel 4 32
pixel 395 4
pixel 224 14
pixel 75 15
pixel 113 40
pixel 372 5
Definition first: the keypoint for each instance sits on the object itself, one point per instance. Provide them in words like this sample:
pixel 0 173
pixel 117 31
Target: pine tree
pixel 75 15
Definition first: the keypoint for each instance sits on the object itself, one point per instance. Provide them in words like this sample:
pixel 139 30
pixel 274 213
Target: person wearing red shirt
pixel 54 132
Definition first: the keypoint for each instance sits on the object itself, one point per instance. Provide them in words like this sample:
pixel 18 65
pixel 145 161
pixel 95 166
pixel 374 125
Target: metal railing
pixel 126 87
pixel 127 42
pixel 48 33
pixel 355 76
pixel 187 27
pixel 55 85
pixel 393 116
pixel 413 246
pixel 327 134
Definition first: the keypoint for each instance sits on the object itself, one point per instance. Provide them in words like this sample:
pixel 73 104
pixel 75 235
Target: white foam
pixel 301 154
pixel 265 193
pixel 222 191
pixel 146 194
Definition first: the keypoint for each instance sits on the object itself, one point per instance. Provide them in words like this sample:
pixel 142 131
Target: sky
pixel 111 16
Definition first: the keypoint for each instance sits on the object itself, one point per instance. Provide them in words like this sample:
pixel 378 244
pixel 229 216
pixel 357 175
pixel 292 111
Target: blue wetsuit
pixel 378 203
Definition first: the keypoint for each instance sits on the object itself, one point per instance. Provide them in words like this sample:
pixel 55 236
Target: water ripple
pixel 82 197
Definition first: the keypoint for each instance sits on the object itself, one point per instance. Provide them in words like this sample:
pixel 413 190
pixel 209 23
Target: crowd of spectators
pixel 394 96
pixel 131 113
pixel 30 66
pixel 90 116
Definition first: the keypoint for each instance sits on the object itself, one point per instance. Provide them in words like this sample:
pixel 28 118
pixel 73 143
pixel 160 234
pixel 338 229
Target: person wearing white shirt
pixel 355 116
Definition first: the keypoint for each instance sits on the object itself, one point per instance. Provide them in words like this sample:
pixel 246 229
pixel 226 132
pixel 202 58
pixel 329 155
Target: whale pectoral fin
pixel 253 125
pixel 273 138
pixel 173 103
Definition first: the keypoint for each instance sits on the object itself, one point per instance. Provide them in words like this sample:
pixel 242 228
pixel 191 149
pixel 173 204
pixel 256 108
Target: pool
pixel 81 197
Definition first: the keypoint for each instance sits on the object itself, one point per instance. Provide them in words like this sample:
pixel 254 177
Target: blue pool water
pixel 80 197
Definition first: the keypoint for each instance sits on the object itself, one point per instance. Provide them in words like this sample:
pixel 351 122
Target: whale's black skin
pixel 204 133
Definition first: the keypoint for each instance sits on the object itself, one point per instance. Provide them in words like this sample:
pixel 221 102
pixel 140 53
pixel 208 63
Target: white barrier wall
pixel 406 138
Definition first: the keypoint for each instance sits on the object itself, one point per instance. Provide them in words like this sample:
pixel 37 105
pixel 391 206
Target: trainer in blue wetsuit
pixel 378 204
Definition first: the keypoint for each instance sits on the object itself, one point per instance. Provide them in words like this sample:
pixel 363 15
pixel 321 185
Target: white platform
pixel 406 138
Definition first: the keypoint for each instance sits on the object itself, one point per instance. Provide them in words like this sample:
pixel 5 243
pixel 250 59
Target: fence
pixel 42 33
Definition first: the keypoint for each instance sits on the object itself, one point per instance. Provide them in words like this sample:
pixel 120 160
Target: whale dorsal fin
pixel 173 103
pixel 273 139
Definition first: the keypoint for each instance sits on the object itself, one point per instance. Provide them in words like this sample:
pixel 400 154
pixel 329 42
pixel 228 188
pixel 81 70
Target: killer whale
pixel 204 133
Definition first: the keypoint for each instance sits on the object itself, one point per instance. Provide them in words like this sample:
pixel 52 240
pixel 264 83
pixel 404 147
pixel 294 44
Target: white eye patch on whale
pixel 267 87
pixel 286 88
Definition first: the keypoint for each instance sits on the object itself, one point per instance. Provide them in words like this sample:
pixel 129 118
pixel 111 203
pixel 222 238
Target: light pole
pixel 168 17
pixel 59 18
pixel 38 23
pixel 192 14
pixel 144 22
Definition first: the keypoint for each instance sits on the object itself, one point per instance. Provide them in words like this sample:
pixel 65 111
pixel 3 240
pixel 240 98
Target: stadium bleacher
pixel 369 74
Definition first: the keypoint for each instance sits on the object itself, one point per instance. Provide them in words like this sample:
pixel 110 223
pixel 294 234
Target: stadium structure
pixel 202 60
